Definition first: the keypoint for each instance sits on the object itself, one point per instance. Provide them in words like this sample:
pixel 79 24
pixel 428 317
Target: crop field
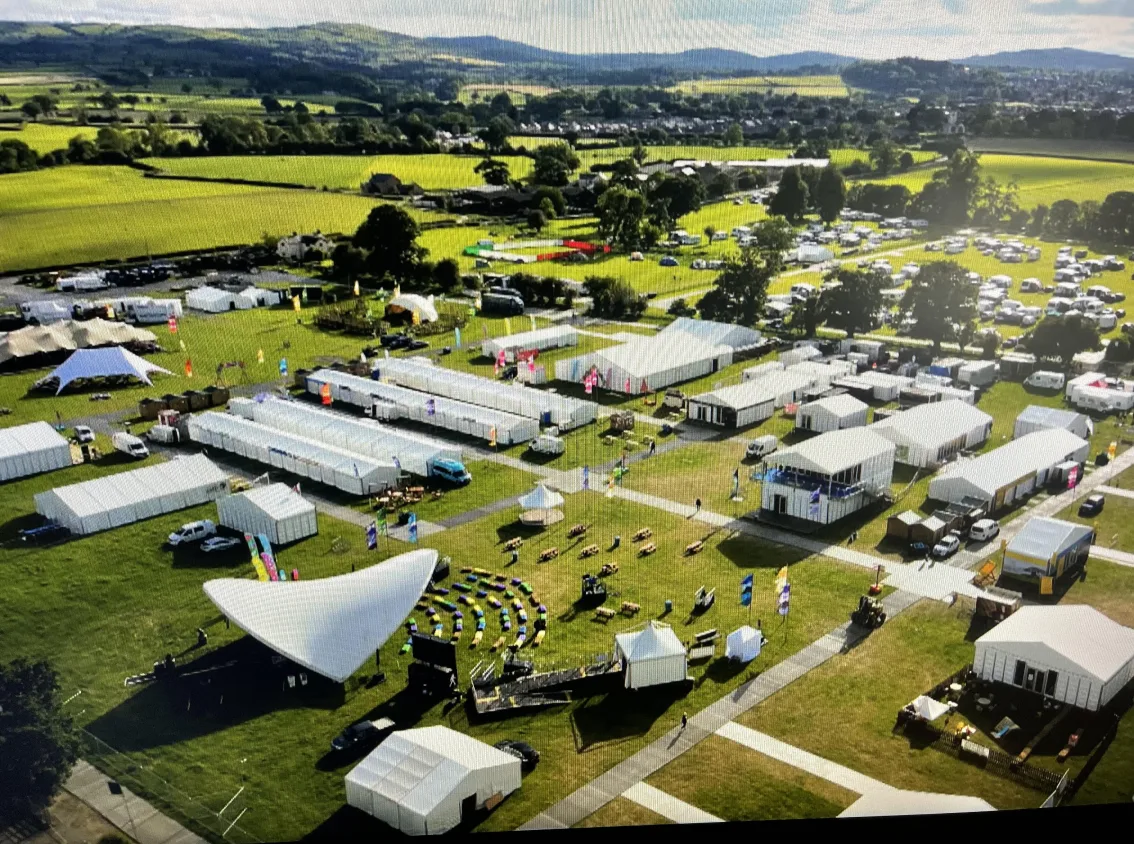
pixel 44 137
pixel 347 172
pixel 519 92
pixel 1078 148
pixel 805 86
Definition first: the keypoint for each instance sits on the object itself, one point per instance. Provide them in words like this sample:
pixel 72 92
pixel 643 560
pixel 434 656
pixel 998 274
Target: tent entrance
pixel 468 807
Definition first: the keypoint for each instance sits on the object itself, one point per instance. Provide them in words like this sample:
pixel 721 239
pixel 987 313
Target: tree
pixel 31 110
pixel 554 164
pixel 993 202
pixel 830 194
pixel 554 196
pixel 720 185
pixel 620 213
pixel 38 744
pixel 741 289
pixel 951 195
pixel 940 300
pixel 805 317
pixel 448 89
pixel 389 235
pixel 613 298
pixel 884 157
pixel 348 262
pixel 905 161
pixel 493 171
pixel 446 275
pixel 1116 218
pixel 1039 215
pixel 790 200
pixel 676 194
pixel 271 105
pixel 495 135
pixel 853 304
pixel 17 157
pixel 709 232
pixel 547 208
pixel 733 136
pixel 536 220
pixel 1062 220
pixel 680 308
pixel 1061 338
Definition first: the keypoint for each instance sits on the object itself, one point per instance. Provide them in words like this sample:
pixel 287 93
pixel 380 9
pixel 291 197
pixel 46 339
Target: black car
pixel 1092 506
pixel 363 731
pixel 416 345
pixel 528 755
pixel 394 341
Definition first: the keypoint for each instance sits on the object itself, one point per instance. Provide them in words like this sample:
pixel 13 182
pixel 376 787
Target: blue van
pixel 453 471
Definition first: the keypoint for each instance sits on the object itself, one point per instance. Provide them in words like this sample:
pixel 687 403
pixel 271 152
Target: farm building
pixel 713 333
pixel 737 406
pixel 331 625
pixel 546 407
pixel 553 337
pixel 823 372
pixel 309 458
pixel 116 500
pixel 648 364
pixel 414 453
pixel 894 801
pixel 1072 654
pixel 930 434
pixel 389 401
pixel 788 387
pixel 425 781
pixel 31 449
pixel 651 656
pixel 1036 417
pixel 299 246
pixel 1047 548
pixel 826 478
pixel 1013 471
pixel 833 413
pixel 276 511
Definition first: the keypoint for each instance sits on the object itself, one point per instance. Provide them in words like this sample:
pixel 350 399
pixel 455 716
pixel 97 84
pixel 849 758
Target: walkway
pixel 1114 490
pixel 666 805
pixel 1113 555
pixel 127 811
pixel 801 759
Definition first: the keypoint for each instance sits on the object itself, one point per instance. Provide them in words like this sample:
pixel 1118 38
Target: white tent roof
pixel 785 381
pixel 65 334
pixel 893 801
pixel 841 406
pixel 654 641
pixel 331 626
pixel 714 333
pixel 33 437
pixel 928 708
pixel 420 305
pixel 932 424
pixel 883 379
pixel 641 358
pixel 100 363
pixel 1077 632
pixel 1030 453
pixel 739 396
pixel 533 339
pixel 744 643
pixel 541 498
pixel 205 294
pixel 1042 537
pixel 279 501
pixel 834 451
pixel 1051 417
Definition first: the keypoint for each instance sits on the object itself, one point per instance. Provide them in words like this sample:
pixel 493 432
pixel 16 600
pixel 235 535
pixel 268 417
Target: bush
pixel 680 308
pixel 614 298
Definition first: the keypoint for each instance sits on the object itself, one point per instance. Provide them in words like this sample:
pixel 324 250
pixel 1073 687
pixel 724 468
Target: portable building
pixel 833 413
pixel 899 525
pixel 930 434
pixel 871 348
pixel 257 297
pixel 425 781
pixel 553 337
pixel 114 500
pixel 762 369
pixel 212 300
pixel 1047 548
pixel 414 453
pixel 738 337
pixel 886 387
pixel 737 406
pixel 824 372
pixel 547 407
pixel 389 401
pixel 1036 417
pixel 651 656
pixel 309 458
pixel 788 387
pixel 277 511
pixel 1071 654
pixel 978 373
pixel 647 364
pixel 31 449
pixel 800 354
pixel 1013 471
pixel 828 477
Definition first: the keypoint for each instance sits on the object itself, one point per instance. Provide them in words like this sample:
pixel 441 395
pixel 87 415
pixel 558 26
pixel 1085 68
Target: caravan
pixel 1045 380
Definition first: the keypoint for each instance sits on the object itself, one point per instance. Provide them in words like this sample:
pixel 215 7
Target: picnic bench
pixel 498 644
pixel 538 640
pixel 465 599
pixel 477 636
pixel 605 613
pixel 513 544
pixel 534 600
pixel 481 572
pixel 466 570
pixel 608 568
pixel 694 547
pixel 589 551
pixel 576 530
pixel 548 554
pixel 526 588
pixel 642 533
pixel 519 643
pixel 630 608
pixel 495 603
pixel 647 549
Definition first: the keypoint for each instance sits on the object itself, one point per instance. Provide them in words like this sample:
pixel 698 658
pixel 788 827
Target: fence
pixel 999 763
pixel 189 811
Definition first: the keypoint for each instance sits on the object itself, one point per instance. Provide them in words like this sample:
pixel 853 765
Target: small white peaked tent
pixel 541 498
pixel 330 626
pixel 928 708
pixel 212 300
pixel 276 511
pixel 420 781
pixel 744 644
pixel 102 363
pixel 424 308
pixel 651 656
pixel 31 449
pixel 894 801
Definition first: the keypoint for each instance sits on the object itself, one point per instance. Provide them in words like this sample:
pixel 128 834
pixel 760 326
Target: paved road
pixel 129 812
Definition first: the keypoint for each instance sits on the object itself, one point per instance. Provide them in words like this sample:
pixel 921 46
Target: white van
pixel 761 447
pixel 129 444
pixel 1045 380
pixel 1031 285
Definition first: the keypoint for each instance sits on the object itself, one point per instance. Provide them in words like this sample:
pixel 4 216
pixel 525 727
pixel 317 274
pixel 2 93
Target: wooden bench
pixel 589 551
pixel 539 637
pixel 477 636
pixel 608 568
pixel 548 554
pixel 630 608
pixel 647 549
pixel 576 530
pixel 513 544
pixel 605 614
pixel 534 600
pixel 498 644
pixel 643 533
pixel 694 547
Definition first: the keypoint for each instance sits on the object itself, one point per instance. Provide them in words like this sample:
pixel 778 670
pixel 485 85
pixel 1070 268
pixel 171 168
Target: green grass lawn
pixel 736 783
pixel 845 710
pixel 44 138
pixel 829 85
pixel 1077 148
pixel 622 812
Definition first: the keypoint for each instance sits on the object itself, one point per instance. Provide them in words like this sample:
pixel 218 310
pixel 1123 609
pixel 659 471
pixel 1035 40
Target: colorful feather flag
pixel 188 368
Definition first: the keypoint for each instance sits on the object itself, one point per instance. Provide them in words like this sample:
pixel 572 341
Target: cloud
pixel 1107 8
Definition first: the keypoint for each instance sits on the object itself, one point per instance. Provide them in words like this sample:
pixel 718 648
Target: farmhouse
pixel 1010 472
pixel 648 364
pixel 1047 548
pixel 1071 654
pixel 833 413
pixel 299 247
pixel 1036 417
pixel 826 478
pixel 737 406
pixel 276 511
pixel 31 449
pixel 930 434
pixel 387 184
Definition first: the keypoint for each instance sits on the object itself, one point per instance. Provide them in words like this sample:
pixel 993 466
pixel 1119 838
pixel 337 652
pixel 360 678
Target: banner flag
pixel 283 367
pixel 412 527
pixel 371 536
pixel 181 343
pixel 586 477
pixel 430 407
pixel 398 289
pixel 188 368
pixel 381 523
pixel 303 294
pixel 257 563
pixel 492 437
pixel 173 325
pixel 813 505
pixel 259 356
pixel 532 316
pixel 456 338
pixel 295 306
pixel 356 287
pixel 785 599
pixel 736 483
pixel 325 395
pixel 507 325
pixel 268 558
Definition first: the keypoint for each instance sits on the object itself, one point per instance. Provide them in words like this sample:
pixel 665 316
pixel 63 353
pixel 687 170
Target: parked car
pixel 363 731
pixel 416 345
pixel 947 546
pixel 193 532
pixel 394 341
pixel 668 261
pixel 984 530
pixel 528 755
pixel 1092 506
pixel 219 543
pixel 83 434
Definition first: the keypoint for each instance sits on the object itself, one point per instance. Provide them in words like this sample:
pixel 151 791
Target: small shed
pixel 930 529
pixel 833 413
pixel 1047 548
pixel 277 511
pixel 651 656
pixel 899 525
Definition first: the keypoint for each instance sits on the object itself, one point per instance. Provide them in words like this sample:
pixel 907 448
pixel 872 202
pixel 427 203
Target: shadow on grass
pixel 746 552
pixel 622 715
pixel 351 824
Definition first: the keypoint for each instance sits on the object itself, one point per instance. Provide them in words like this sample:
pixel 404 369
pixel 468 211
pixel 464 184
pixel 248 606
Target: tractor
pixel 870 613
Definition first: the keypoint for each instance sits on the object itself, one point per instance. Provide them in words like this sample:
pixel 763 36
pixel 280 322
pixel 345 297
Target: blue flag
pixel 813 505
pixel 371 536
pixel 746 581
pixel 430 407
pixel 412 527
pixel 746 598
pixel 283 367
pixel 586 477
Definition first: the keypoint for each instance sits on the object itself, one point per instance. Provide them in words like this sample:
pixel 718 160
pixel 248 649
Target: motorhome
pixel 1046 380
pixel 82 282
pixel 153 312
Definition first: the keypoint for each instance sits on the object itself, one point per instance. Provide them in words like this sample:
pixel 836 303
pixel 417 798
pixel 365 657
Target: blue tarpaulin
pixel 103 363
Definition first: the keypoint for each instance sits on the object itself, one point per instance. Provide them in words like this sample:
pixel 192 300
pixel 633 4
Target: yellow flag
pixel 1112 450
pixel 295 303
pixel 261 572
pixel 109 312
pixel 416 317
pixel 356 287
pixel 398 289
pixel 259 356
pixel 507 325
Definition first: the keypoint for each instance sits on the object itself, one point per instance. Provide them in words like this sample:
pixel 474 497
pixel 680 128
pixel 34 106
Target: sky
pixel 935 29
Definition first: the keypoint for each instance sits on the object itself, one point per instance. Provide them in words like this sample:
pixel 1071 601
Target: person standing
pixel 684 720
pixel 697 504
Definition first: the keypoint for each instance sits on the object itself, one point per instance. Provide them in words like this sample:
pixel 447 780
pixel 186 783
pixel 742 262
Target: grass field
pixel 622 812
pixel 519 92
pixel 806 86
pixel 44 138
pixel 1108 150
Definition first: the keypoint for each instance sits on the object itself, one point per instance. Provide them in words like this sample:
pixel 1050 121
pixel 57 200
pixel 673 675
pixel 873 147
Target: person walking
pixel 653 447
pixel 697 504
pixel 684 720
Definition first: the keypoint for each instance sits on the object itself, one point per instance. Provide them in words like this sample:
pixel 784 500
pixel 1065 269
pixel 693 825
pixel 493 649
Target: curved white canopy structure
pixel 541 498
pixel 899 802
pixel 331 626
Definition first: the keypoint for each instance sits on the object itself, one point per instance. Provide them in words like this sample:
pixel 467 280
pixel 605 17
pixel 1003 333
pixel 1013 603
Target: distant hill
pixel 1064 58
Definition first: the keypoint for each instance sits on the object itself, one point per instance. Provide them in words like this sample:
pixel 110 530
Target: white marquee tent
pixel 744 644
pixel 418 781
pixel 276 511
pixel 833 413
pixel 211 300
pixel 894 801
pixel 541 498
pixel 553 337
pixel 415 303
pixel 651 656
pixel 31 449
pixel 788 386
pixel 647 364
pixel 713 333
pixel 103 363
pixel 333 625
pixel 115 500
pixel 737 406
pixel 1036 417
pixel 929 434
